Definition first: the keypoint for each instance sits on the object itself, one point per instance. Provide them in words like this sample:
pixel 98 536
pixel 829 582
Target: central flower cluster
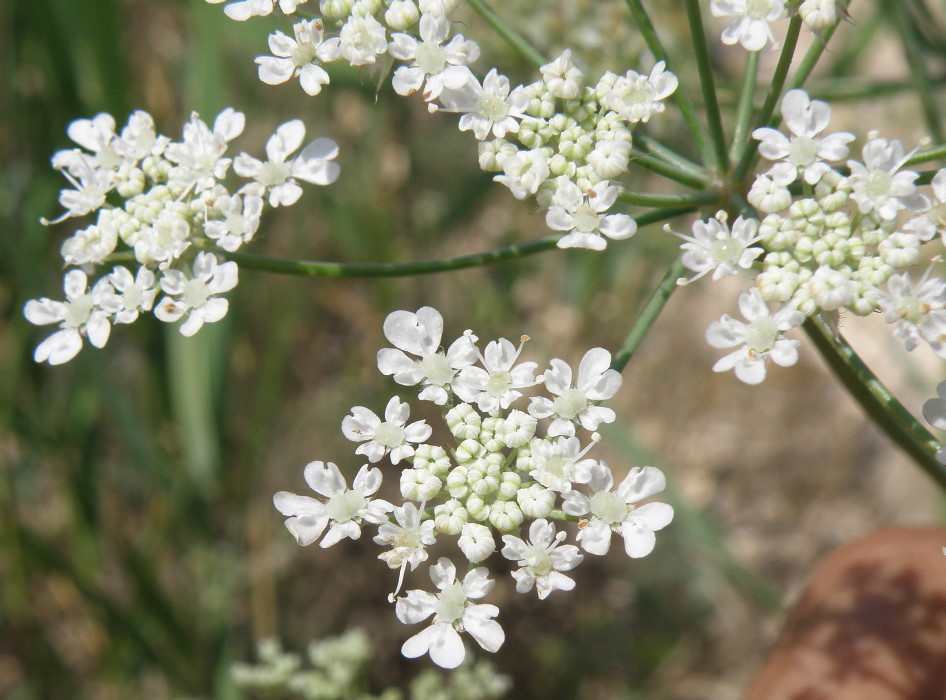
pixel 506 470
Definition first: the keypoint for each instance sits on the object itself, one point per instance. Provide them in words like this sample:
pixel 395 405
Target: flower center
pixel 492 107
pixel 343 507
pixel 757 9
pixel 437 369
pixel 608 507
pixel 912 309
pixel 803 151
pixel 726 250
pixel 570 403
pixel 302 54
pixel 236 223
pixel 195 293
pixel 761 334
pixel 537 558
pixel 878 184
pixel 451 603
pixel 273 173
pixel 430 57
pixel 132 297
pixel 585 219
pixel 389 434
pixel 78 311
pixel 499 383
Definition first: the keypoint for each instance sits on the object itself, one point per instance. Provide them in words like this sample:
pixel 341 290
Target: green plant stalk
pixel 744 108
pixel 747 159
pixel 669 171
pixel 649 199
pixel 918 73
pixel 876 400
pixel 659 150
pixel 307 268
pixel 707 84
pixel 522 45
pixel 697 131
pixel 811 58
pixel 648 315
pixel 935 153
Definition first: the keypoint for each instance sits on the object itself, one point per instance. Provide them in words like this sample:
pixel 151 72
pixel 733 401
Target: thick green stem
pixel 696 128
pixel 649 314
pixel 876 400
pixel 707 84
pixel 648 199
pixel 744 109
pixel 935 153
pixel 750 150
pixel 522 45
pixel 811 58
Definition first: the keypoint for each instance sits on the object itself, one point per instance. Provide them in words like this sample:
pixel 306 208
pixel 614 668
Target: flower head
pixel 542 560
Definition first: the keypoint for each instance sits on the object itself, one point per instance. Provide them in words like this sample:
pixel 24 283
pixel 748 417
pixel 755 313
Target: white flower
pixel 524 172
pixel 237 223
pixel 84 313
pixel 561 77
pixel 97 136
pixel 277 176
pixel 751 26
pixel 933 220
pixel 542 560
pixel 934 411
pixel 196 297
pixel 580 214
pixel 419 334
pixel 139 139
pixel 556 464
pixel 408 539
pixel 635 97
pixel 496 386
pixel 919 314
pixel 91 186
pixel 362 40
pixel 242 10
pixel 454 612
pixel 434 65
pixel 487 108
pixel 164 240
pixel 92 244
pixel 299 56
pixel 714 248
pixel 596 382
pixel 346 509
pixel 199 157
pixel 876 184
pixel 135 294
pixel 378 438
pixel 805 151
pixel 761 339
pixel 616 511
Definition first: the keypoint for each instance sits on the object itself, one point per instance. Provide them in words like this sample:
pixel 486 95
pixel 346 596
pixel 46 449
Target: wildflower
pixel 496 385
pixel 299 56
pixel 345 509
pixel 277 176
pixel 761 339
pixel 542 560
pixel 714 248
pixel 199 157
pixel 196 297
pixel 596 382
pixel 379 438
pixel 454 611
pixel 617 511
pixel 751 24
pixel 635 97
pixel 435 65
pixel 581 215
pixel 919 314
pixel 487 108
pixel 876 184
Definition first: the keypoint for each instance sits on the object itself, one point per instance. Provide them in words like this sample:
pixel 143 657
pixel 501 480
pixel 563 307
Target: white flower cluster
pixel 163 204
pixel 751 28
pixel 845 243
pixel 557 139
pixel 502 470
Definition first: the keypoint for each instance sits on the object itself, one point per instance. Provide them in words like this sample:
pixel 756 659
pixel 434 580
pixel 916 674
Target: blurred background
pixel 140 554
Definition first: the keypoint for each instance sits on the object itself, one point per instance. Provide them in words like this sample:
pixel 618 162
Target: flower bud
pixel 401 14
pixel 450 517
pixel 433 458
pixel 477 508
pixel 419 485
pixel 535 501
pixel 457 483
pixel 506 516
pixel 476 542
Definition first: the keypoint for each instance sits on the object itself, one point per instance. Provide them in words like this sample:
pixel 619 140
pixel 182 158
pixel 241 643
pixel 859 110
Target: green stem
pixel 707 84
pixel 935 153
pixel 669 171
pixel 876 400
pixel 918 73
pixel 308 268
pixel 811 58
pixel 697 131
pixel 649 314
pixel 522 45
pixel 648 199
pixel 747 160
pixel 656 148
pixel 744 109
